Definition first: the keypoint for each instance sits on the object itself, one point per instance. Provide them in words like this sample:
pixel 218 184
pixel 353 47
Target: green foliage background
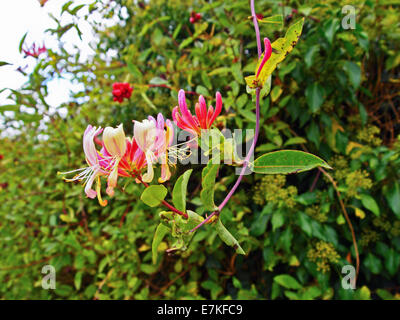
pixel 336 96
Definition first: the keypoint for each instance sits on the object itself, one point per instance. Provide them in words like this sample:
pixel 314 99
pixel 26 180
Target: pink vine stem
pixel 253 145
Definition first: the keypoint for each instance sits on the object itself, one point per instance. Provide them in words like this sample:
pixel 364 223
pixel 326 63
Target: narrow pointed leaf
pixel 227 237
pixel 208 176
pixel 287 161
pixel 179 191
pixel 159 235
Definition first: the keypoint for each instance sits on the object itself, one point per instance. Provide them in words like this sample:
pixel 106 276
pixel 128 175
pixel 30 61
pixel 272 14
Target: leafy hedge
pixel 335 96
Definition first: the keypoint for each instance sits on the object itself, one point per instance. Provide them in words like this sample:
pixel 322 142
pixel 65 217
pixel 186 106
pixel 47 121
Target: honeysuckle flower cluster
pixel 204 117
pixel 136 157
pixel 121 91
pixel 34 51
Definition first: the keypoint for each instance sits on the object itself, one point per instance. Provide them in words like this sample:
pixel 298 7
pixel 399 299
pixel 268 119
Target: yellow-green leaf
pixel 280 49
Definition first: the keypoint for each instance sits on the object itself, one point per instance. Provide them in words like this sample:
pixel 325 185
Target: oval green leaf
pixel 153 195
pixel 287 161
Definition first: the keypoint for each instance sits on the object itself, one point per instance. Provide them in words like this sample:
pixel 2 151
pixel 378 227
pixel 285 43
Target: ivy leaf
pixel 153 195
pixel 179 191
pixel 280 49
pixel 287 161
pixel 159 235
pixel 208 176
pixel 287 281
pixel 228 238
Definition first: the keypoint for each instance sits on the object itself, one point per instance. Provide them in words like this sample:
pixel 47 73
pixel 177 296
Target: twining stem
pixel 257 130
pixel 165 203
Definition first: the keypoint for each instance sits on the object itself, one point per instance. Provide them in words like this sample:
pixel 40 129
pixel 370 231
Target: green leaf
pixel 369 203
pixel 354 72
pixel 186 42
pixel 330 28
pixel 276 19
pixel 21 43
pixel 75 10
pixel 3 63
pixel 392 195
pixel 208 176
pixel 385 295
pixel 373 263
pixel 135 70
pixel 179 191
pixel 304 222
pixel 148 101
pixel 153 195
pixel 237 72
pixel 159 235
pixel 78 279
pixel 147 26
pixel 287 161
pixel 287 281
pixel 310 55
pixel 227 237
pixel 295 140
pixel 158 80
pixel 278 219
pixel 392 262
pixel 364 293
pixel 9 107
pixel 314 96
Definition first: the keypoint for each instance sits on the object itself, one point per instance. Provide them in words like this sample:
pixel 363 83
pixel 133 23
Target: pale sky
pixel 20 16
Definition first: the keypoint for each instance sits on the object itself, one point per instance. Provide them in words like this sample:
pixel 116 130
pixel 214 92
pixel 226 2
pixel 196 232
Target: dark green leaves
pixel 154 195
pixel 287 161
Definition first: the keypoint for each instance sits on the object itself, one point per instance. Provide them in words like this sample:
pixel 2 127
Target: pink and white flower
pixel 119 156
pixel 204 117
pixel 154 137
